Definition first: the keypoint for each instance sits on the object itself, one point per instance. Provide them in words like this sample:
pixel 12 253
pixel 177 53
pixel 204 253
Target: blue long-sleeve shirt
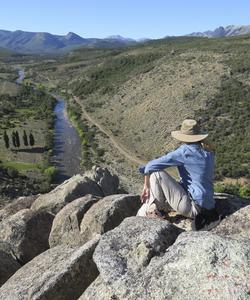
pixel 196 169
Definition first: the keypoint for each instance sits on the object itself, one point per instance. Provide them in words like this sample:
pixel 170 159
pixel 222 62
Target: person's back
pixel 197 173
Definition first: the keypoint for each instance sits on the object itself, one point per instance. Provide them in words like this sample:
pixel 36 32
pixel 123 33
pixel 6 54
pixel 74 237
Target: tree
pixel 17 139
pixel 25 138
pixel 13 136
pixel 32 140
pixel 6 140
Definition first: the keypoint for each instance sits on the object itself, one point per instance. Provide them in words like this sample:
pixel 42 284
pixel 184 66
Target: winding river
pixel 67 146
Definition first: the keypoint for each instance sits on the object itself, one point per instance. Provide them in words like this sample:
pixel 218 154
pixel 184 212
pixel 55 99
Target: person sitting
pixel 192 196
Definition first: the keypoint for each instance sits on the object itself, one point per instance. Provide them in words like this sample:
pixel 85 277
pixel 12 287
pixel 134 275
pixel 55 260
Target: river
pixel 67 145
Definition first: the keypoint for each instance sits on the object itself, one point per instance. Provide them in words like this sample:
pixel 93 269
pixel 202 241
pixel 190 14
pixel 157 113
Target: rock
pixel 108 213
pixel 16 205
pixel 131 246
pixel 66 225
pixel 199 265
pixel 98 290
pixel 108 182
pixel 236 225
pixel 71 189
pixel 60 273
pixel 27 233
pixel 8 266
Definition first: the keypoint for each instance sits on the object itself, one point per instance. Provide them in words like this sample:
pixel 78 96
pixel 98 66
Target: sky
pixel 129 18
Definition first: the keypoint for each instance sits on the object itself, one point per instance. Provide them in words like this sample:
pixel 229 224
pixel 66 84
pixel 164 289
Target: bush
pixel 50 172
pixel 234 189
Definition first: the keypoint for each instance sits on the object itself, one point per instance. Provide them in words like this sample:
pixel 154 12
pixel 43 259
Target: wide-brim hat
pixel 189 133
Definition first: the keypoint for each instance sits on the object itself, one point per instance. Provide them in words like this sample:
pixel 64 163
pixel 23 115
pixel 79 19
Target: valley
pixel 125 102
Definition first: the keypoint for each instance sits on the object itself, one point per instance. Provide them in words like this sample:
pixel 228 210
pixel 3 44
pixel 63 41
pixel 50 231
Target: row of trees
pixel 27 140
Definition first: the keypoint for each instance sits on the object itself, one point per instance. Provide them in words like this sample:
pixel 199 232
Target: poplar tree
pixel 6 140
pixel 25 138
pixel 17 139
pixel 13 136
pixel 32 140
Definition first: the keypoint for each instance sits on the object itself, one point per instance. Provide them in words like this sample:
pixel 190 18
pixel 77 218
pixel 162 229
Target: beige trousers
pixel 168 194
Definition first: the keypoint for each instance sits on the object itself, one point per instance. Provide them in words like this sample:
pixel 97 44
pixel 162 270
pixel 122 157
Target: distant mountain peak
pixel 230 30
pixel 118 37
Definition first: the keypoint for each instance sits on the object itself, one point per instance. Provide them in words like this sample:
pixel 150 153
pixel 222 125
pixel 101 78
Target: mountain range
pixel 44 42
pixel 37 42
pixel 221 31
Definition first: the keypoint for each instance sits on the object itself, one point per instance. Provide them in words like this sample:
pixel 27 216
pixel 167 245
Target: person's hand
pixel 145 194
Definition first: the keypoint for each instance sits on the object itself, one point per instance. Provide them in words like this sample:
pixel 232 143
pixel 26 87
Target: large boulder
pixel 236 225
pixel 98 290
pixel 60 273
pixel 137 262
pixel 108 213
pixel 27 233
pixel 71 189
pixel 66 225
pixel 16 205
pixel 108 182
pixel 8 266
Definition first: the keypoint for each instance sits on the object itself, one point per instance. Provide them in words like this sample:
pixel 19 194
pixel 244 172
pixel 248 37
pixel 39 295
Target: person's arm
pixel 146 189
pixel 173 158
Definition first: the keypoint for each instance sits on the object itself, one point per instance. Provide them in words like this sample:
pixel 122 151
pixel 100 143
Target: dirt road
pixel 125 152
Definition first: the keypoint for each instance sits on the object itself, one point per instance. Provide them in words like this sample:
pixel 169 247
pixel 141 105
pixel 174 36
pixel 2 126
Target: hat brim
pixel 188 138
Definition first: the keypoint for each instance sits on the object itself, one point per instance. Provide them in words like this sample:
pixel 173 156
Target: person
pixel 193 194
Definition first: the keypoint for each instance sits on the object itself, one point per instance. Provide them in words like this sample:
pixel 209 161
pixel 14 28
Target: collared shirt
pixel 196 169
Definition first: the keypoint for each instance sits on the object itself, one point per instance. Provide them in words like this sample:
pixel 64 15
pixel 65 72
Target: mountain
pixel 231 30
pixel 44 42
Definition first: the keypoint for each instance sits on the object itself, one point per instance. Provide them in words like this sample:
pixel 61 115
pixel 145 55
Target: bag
pixel 206 220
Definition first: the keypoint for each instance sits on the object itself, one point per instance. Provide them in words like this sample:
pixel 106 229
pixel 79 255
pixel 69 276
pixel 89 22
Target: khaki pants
pixel 168 194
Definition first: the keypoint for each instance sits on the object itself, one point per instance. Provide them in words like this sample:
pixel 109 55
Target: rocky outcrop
pixel 27 233
pixel 108 182
pixel 236 225
pixel 137 261
pixel 8 266
pixel 60 273
pixel 108 213
pixel 66 225
pixel 16 205
pixel 71 189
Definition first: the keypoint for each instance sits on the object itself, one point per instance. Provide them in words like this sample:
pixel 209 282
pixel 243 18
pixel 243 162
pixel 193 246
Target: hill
pixel 43 42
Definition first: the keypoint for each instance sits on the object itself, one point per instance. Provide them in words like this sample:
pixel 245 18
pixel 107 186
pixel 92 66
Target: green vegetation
pixel 91 152
pixel 20 166
pixel 227 118
pixel 114 71
pixel 26 135
pixel 234 189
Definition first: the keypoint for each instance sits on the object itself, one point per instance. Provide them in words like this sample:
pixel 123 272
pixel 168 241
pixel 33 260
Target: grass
pixel 20 166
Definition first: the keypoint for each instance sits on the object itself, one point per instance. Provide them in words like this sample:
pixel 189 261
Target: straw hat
pixel 189 133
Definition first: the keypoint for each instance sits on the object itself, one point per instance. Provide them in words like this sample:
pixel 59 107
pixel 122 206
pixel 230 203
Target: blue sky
pixel 131 18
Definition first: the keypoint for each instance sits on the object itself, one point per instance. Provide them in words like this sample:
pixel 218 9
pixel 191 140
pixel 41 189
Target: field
pixel 26 132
